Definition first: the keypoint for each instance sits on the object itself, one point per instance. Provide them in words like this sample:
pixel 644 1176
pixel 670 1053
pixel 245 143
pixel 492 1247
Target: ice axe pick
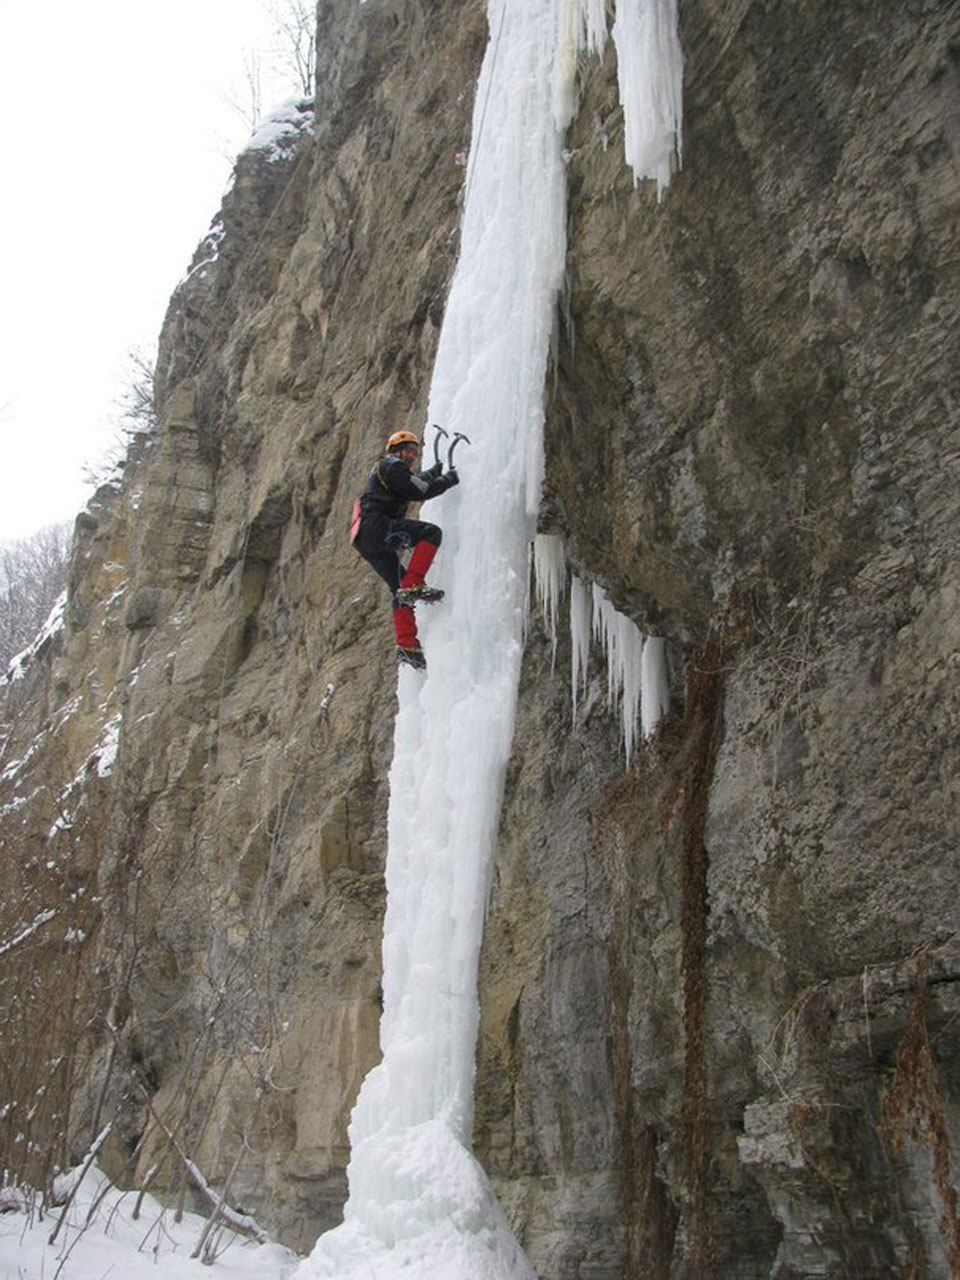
pixel 436 441
pixel 457 437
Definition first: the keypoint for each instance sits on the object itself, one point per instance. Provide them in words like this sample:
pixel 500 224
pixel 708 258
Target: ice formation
pixel 419 1203
pixel 637 687
pixel 549 575
pixel 580 619
pixel 623 645
pixel 654 691
pixel 650 76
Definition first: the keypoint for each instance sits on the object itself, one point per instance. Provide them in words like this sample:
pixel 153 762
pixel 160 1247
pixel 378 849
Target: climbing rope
pixel 475 150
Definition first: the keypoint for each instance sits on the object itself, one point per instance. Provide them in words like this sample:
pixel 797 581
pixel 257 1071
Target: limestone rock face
pixel 719 988
pixel 753 445
pixel 218 616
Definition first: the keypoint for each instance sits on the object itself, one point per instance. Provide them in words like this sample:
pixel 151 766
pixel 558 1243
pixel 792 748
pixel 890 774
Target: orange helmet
pixel 401 437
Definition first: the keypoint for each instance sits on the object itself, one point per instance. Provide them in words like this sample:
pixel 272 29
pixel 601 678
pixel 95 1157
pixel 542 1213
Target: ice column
pixel 417 1198
pixel 419 1204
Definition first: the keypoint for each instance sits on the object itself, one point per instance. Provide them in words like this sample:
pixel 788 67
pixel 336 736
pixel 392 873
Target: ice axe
pixel 457 437
pixel 436 442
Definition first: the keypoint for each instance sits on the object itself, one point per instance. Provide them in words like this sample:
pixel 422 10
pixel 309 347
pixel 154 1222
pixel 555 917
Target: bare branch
pixel 295 23
pixel 33 573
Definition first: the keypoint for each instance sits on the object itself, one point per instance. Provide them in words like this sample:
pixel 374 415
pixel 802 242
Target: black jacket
pixel 392 486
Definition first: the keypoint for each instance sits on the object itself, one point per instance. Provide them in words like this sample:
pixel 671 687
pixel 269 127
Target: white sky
pixel 120 146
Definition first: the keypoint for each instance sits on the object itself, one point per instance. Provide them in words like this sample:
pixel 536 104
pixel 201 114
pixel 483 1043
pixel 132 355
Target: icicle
pixel 623 644
pixel 581 24
pixel 650 75
pixel 550 572
pixel 593 17
pixel 654 690
pixel 579 637
pixel 565 66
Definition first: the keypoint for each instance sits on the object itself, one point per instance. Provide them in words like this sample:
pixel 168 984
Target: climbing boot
pixel 418 593
pixel 412 656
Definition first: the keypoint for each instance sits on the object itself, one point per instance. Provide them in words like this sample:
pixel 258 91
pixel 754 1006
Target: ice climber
pixel 381 531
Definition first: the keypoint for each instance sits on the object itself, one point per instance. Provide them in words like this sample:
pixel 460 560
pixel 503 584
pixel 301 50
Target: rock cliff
pixel 718 987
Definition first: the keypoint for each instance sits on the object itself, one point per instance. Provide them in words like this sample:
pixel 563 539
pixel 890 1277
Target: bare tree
pixel 137 410
pixel 284 68
pixel 296 27
pixel 33 573
pixel 247 100
pixel 136 416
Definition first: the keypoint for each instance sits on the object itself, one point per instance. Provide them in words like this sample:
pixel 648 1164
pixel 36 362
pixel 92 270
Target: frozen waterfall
pixel 419 1204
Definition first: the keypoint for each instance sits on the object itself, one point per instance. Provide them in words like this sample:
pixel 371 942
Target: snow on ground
pixel 101 1239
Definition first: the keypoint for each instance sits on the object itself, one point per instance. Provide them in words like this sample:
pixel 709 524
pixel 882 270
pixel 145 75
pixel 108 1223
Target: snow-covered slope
pixel 97 1230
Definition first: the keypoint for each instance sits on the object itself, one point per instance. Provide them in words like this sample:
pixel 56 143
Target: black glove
pixel 432 473
pixel 451 478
